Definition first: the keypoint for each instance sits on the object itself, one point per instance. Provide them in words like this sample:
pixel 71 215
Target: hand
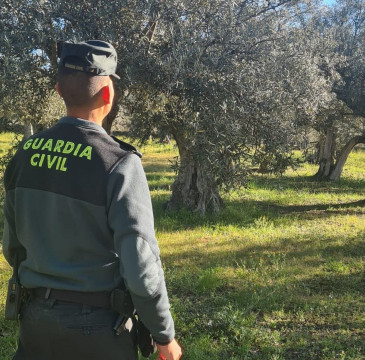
pixel 171 351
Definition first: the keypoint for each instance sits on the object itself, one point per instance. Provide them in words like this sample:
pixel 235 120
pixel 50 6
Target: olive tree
pixel 342 123
pixel 231 81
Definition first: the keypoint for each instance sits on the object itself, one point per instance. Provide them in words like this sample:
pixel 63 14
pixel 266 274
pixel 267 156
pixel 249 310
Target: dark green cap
pixel 94 57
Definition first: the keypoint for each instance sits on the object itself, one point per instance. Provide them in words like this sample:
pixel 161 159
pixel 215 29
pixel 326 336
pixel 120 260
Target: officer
pixel 78 216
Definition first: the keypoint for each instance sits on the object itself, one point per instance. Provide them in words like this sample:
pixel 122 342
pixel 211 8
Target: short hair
pixel 77 88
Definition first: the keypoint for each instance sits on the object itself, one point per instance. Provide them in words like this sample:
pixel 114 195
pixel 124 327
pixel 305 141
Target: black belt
pixel 96 299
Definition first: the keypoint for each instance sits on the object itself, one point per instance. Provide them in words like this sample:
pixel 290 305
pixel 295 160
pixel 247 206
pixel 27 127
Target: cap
pixel 95 57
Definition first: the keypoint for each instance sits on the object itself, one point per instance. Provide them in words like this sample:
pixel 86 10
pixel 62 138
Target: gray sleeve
pixel 11 244
pixel 130 217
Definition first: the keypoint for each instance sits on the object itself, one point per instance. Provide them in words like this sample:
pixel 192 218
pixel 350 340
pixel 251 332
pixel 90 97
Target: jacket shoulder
pixel 127 147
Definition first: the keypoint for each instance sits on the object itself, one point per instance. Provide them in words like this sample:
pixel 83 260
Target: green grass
pixel 278 274
pixel 5 142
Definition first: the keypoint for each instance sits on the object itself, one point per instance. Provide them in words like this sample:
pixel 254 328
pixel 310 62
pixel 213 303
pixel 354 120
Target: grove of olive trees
pixel 234 83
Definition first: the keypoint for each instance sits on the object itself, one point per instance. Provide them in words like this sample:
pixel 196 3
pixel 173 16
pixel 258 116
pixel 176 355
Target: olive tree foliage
pixel 24 85
pixel 231 81
pixel 342 124
pixel 28 48
pixel 348 21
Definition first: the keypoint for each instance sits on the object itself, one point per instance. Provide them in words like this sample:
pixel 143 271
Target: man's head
pixel 85 74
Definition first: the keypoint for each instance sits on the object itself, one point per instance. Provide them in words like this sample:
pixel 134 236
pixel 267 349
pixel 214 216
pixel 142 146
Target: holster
pixel 121 302
pixel 16 295
pixel 13 300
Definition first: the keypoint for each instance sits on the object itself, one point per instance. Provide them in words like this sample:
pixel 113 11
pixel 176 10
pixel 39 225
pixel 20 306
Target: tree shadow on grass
pixel 307 183
pixel 334 208
pixel 336 284
pixel 246 212
pixel 311 292
pixel 315 253
pixel 241 214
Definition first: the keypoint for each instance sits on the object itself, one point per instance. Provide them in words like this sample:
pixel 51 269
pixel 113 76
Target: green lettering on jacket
pixel 46 159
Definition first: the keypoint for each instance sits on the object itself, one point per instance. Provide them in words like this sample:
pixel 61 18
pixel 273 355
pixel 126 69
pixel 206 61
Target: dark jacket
pixel 78 211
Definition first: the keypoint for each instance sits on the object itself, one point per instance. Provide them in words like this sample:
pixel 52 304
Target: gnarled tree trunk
pixel 345 152
pixel 194 188
pixel 326 160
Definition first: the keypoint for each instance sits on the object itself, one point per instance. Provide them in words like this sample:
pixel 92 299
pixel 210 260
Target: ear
pixel 57 88
pixel 105 92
